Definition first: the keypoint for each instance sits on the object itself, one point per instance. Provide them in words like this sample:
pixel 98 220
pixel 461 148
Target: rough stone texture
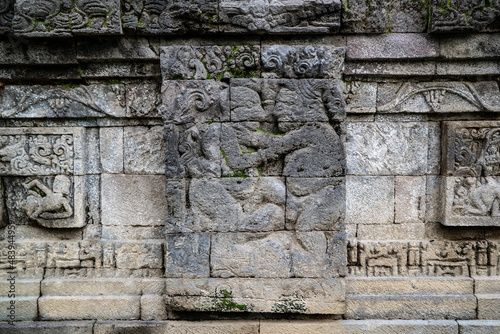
pixel 187 255
pixel 470 46
pixel 401 326
pixel 286 17
pixel 386 148
pixel 464 16
pixel 409 199
pixel 360 97
pixel 478 326
pixel 111 147
pixel 395 69
pixel 25 308
pixel 22 51
pixel 144 150
pixel 407 231
pixel 177 327
pixel 143 100
pixel 37 327
pixel 365 16
pixel 438 97
pixel 121 204
pixel 392 46
pixel 122 48
pixel 369 200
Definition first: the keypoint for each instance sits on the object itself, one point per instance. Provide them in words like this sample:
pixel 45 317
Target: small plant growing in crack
pixel 224 301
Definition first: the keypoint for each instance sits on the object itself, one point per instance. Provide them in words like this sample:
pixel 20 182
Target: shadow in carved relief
pixel 465 15
pixel 6 15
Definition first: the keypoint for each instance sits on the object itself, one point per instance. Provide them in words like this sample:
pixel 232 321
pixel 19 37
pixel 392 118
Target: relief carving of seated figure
pixel 484 199
pixel 49 204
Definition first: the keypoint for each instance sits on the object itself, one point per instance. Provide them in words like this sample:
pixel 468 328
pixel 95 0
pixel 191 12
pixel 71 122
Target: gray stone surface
pixel 464 16
pixel 281 61
pixel 111 149
pixel 395 69
pixel 470 46
pixel 178 327
pixel 392 46
pixel 387 148
pixel 46 327
pixel 143 100
pixel 144 150
pixel 407 231
pixel 121 204
pixel 478 326
pixel 22 51
pixel 120 69
pixel 187 255
pixel 409 199
pixel 118 48
pixel 360 97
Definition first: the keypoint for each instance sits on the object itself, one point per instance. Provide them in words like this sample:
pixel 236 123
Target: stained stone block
pixel 303 149
pixel 122 206
pixel 143 100
pixel 146 17
pixel 197 101
pixel 438 97
pixel 470 46
pixel 120 69
pixel 192 327
pixel 111 147
pixel 361 97
pixel 306 295
pixel 387 148
pixel 89 307
pixel 144 150
pixel 139 255
pixel 55 19
pixel 409 199
pixel 118 48
pixel 369 199
pixel 187 255
pixel 289 16
pixel 63 101
pixel 315 204
pixel 210 62
pixel 464 16
pixel 153 308
pixel 46 327
pixel 280 61
pixel 366 16
pixel 286 100
pixel 373 326
pixel 392 46
pixel 396 69
pixel 227 204
pixel 26 308
pixel 22 51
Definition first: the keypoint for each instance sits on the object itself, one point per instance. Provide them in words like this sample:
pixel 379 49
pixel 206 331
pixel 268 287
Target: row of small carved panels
pixel 262 100
pixel 423 258
pixel 61 18
pixel 246 61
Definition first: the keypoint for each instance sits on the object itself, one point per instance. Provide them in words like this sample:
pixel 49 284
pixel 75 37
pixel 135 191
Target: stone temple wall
pixel 249 166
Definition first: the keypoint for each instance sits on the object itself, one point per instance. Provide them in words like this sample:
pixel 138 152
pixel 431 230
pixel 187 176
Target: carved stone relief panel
pixel 471 163
pixel 42 171
pixel 465 15
pixel 6 15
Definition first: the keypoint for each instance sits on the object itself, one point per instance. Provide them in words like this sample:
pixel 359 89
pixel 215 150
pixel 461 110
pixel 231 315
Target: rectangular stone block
pixel 470 46
pixel 409 193
pixel 360 97
pixel 405 231
pixel 128 232
pixel 187 101
pixel 469 68
pixel 280 61
pixel 187 255
pixel 72 101
pixel 411 307
pixel 47 327
pixel 144 150
pixel 285 17
pixel 390 69
pixel 438 97
pixel 434 199
pixel 488 307
pixel 478 326
pixel 121 69
pixel 64 21
pixel 111 147
pixel 468 16
pixel 301 326
pixel 118 48
pixel 122 206
pixel 23 51
pixel 392 46
pixel 24 308
pixel 147 255
pixel 187 62
pixel 89 307
pixel 178 327
pixel 294 295
pixel 226 204
pixel 369 199
pixel 315 204
pixel 386 148
pixel 286 100
pixel 400 326
pixel 153 308
pixel 91 287
pixel 143 100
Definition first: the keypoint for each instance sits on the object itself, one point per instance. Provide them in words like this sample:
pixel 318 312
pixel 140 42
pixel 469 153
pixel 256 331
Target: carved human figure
pixel 484 198
pixel 52 204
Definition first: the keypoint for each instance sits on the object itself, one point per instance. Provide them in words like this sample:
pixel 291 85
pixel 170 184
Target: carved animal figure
pixel 52 204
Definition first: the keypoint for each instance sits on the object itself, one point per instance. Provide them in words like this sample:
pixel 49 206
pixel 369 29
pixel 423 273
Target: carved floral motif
pixel 465 15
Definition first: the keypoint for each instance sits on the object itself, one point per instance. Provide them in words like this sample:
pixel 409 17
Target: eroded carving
pixel 6 15
pixel 286 16
pixel 465 15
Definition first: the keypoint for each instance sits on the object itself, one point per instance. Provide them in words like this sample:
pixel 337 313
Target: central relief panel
pixel 255 178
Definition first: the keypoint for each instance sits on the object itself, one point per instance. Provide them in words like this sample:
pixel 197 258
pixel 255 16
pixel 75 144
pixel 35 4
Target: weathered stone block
pixel 434 156
pixel 286 100
pixel 281 61
pixel 153 308
pixel 128 232
pixel 365 16
pixel 369 199
pixel 227 204
pixel 400 326
pixel 439 97
pixel 361 97
pixel 478 326
pixel 139 255
pixel 187 255
pixel 111 147
pixel 145 17
pixel 22 51
pixel 434 199
pixel 90 287
pixel 483 68
pixel 488 307
pixel 143 100
pixel 89 307
pixel 396 69
pixel 470 46
pixel 315 204
pixel 409 200
pixel 406 231
pixel 121 69
pixel 77 101
pixel 210 62
pixel 25 308
pixel 289 16
pixel 6 15
pixel 53 19
pixel 46 327
pixel 464 15
pixel 144 150
pixel 392 46
pixel 197 101
pixel 118 48
pixel 301 326
pixel 388 148
pixel 122 206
